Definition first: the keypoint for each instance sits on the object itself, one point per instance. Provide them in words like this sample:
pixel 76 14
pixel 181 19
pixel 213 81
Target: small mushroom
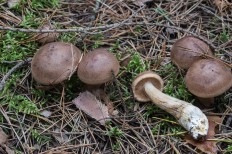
pixel 147 86
pixel 208 78
pixel 47 37
pixel 96 67
pixel 55 62
pixel 187 50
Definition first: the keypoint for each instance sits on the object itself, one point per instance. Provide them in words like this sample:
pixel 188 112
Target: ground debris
pixel 58 152
pixel 61 137
pixel 222 5
pixel 12 3
pixel 4 149
pixel 3 137
pixel 141 2
pixel 88 103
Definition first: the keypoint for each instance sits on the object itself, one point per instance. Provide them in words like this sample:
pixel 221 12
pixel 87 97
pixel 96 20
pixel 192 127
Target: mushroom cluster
pixel 56 62
pixel 205 78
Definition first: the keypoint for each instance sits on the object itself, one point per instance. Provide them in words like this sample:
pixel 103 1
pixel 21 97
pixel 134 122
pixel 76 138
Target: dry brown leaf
pixel 206 146
pixel 107 101
pixel 3 137
pixel 8 150
pixel 4 149
pixel 141 2
pixel 88 103
pixel 222 5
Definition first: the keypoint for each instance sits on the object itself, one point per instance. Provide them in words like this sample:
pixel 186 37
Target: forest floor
pixel 140 33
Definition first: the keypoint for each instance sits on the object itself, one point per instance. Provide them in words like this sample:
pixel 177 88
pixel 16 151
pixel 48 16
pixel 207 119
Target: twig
pixel 88 30
pixel 8 74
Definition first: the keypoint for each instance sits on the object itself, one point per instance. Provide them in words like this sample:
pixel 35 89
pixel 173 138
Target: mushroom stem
pixel 189 116
pixel 207 102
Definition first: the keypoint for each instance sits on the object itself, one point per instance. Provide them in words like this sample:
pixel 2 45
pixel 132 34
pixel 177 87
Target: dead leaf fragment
pixel 106 100
pixel 222 5
pixel 141 2
pixel 8 150
pixel 4 149
pixel 3 137
pixel 207 146
pixel 88 103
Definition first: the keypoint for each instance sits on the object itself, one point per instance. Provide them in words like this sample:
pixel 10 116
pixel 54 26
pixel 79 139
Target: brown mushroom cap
pixel 208 78
pixel 140 80
pixel 96 67
pixel 55 62
pixel 187 50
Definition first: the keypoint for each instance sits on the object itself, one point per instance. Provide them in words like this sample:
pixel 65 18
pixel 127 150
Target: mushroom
pixel 96 67
pixel 55 62
pixel 147 86
pixel 47 37
pixel 187 50
pixel 208 78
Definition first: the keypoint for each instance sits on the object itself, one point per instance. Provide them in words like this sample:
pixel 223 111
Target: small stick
pixel 8 74
pixel 105 28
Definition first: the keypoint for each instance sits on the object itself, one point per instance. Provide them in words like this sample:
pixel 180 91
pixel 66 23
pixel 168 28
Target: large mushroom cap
pixel 187 50
pixel 208 78
pixel 140 80
pixel 96 67
pixel 55 62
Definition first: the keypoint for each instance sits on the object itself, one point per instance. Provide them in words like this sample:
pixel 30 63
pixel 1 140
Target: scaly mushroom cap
pixel 55 62
pixel 96 67
pixel 208 78
pixel 140 80
pixel 187 50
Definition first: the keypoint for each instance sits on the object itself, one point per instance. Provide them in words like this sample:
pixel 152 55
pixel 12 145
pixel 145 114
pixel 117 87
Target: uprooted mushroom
pixel 55 62
pixel 147 86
